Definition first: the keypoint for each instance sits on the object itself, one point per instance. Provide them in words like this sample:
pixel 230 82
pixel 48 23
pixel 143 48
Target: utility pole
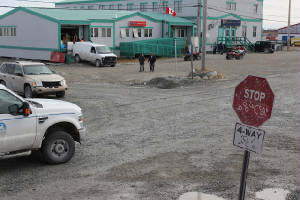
pixel 204 34
pixel 198 20
pixel 289 27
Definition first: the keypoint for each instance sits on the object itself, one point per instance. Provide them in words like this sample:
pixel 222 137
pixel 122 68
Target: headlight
pixel 37 84
pixel 63 82
pixel 80 120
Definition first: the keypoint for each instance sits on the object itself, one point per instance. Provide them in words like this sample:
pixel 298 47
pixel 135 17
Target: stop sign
pixel 253 101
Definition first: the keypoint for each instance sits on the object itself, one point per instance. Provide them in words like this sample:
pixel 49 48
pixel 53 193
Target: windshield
pixel 36 70
pixel 103 49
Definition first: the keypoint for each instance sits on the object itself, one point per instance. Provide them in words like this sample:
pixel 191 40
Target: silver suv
pixel 31 79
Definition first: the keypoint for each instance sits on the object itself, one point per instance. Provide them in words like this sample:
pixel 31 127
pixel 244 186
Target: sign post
pixel 253 103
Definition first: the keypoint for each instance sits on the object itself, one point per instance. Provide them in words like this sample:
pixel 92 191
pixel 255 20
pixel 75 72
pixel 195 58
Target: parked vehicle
pixel 98 54
pixel 31 78
pixel 264 46
pixel 295 41
pixel 188 56
pixel 238 52
pixel 50 126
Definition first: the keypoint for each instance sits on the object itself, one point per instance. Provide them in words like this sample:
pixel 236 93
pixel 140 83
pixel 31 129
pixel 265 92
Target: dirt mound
pixel 164 83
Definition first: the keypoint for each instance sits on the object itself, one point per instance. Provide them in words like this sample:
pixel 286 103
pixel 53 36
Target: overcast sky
pixel 275 11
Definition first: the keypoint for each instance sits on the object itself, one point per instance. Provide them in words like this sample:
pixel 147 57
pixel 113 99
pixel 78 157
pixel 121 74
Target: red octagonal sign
pixel 253 101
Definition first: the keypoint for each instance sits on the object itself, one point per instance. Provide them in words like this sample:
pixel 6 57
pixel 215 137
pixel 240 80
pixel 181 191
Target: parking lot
pixel 156 144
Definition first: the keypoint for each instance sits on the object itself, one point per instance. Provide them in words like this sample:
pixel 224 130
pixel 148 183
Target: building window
pixel 120 6
pixel 111 7
pixel 155 7
pixel 95 32
pixel 127 32
pixel 8 31
pixel 244 31
pixel 230 5
pixel 147 32
pixel 178 6
pixel 143 6
pixel 130 6
pixel 14 31
pixel 106 32
pixel 180 33
pixel 101 7
pixel 232 32
pixel 139 32
pixel 254 31
pixel 164 6
pixel 90 7
pixel 255 8
pixel 227 33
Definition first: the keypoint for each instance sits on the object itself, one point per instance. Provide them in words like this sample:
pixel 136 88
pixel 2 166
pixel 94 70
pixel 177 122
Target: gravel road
pixel 155 144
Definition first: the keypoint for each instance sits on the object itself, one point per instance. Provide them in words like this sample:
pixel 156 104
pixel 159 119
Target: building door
pixel 220 34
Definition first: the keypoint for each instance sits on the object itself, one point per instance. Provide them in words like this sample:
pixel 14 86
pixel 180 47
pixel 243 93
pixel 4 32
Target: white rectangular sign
pixel 248 138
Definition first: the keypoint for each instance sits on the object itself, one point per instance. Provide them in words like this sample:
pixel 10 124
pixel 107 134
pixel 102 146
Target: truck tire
pixel 28 92
pixel 58 147
pixel 2 82
pixel 98 63
pixel 77 58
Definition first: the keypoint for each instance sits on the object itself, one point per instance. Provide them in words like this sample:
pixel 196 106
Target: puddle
pixel 198 196
pixel 271 194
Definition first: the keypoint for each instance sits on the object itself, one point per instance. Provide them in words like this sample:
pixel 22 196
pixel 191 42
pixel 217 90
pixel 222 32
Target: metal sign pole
pixel 175 57
pixel 244 175
pixel 192 56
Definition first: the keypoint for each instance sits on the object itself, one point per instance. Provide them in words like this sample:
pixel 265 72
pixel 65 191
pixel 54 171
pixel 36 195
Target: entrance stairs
pixel 230 42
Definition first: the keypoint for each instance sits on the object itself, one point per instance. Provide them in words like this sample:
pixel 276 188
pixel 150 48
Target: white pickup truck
pixel 51 126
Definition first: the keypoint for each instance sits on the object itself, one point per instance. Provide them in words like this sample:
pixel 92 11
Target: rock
pixel 212 74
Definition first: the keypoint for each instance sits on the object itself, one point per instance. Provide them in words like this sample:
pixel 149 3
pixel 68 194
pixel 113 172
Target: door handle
pixel 42 119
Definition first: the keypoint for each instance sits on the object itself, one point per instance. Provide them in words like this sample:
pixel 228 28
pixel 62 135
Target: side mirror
pixel 26 109
pixel 54 72
pixel 13 109
pixel 19 74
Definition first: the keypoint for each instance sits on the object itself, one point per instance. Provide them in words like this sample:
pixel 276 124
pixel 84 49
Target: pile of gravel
pixel 164 83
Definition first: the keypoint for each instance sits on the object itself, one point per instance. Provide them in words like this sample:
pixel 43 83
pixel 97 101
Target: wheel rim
pixel 97 63
pixel 77 58
pixel 28 92
pixel 59 149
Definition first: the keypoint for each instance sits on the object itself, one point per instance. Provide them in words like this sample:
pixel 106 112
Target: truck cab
pixel 50 126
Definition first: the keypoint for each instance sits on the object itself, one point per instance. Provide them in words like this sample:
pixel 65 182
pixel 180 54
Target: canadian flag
pixel 170 11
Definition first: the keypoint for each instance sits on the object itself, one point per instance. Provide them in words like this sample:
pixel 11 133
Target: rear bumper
pixel 43 90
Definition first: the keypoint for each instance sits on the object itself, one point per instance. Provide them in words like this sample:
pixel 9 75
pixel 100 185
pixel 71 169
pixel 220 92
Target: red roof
pixel 288 26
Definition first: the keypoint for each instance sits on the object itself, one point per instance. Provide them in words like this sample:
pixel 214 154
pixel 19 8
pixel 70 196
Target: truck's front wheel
pixel 58 147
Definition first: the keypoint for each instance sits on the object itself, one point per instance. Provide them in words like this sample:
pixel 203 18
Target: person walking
pixel 222 48
pixel 215 48
pixel 142 62
pixel 152 60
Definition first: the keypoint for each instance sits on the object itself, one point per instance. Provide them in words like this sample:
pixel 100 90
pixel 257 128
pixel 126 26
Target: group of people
pixel 151 60
pixel 219 47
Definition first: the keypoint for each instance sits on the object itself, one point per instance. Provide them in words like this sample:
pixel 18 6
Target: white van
pixel 99 54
